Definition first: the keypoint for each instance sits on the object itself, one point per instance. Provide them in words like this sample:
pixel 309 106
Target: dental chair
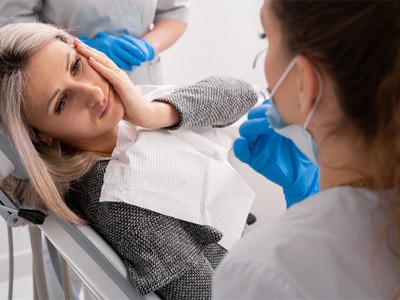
pixel 94 261
pixel 80 247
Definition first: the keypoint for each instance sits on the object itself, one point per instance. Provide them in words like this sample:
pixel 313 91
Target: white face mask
pixel 297 134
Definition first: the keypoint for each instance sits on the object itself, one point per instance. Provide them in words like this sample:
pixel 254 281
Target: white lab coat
pixel 321 248
pixel 87 17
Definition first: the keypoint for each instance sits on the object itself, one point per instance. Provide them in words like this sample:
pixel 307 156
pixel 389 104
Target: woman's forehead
pixel 45 68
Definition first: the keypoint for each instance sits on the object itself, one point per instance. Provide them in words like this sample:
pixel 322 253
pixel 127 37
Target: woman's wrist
pixel 152 115
pixel 163 115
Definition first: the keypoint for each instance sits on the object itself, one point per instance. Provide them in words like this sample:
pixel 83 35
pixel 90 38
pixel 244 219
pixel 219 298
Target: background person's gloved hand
pixel 142 44
pixel 276 157
pixel 122 51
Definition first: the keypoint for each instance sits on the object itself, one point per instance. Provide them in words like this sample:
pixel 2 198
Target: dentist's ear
pixel 308 84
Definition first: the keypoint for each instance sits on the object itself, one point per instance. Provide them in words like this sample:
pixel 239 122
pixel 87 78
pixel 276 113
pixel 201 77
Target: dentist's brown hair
pixel 358 44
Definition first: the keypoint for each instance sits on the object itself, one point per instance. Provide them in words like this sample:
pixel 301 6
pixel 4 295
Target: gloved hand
pixel 276 157
pixel 124 50
pixel 142 44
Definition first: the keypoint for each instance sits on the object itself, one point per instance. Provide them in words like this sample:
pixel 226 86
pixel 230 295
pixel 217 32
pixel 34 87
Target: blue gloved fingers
pixel 142 44
pixel 132 49
pixel 128 57
pixel 276 157
pixel 253 128
pixel 119 62
pixel 258 111
pixel 137 43
pixel 109 45
pixel 267 101
pixel 261 156
pixel 241 150
pixel 122 49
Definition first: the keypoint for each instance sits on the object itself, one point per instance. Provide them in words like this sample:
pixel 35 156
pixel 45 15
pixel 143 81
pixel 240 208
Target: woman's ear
pixel 308 84
pixel 43 138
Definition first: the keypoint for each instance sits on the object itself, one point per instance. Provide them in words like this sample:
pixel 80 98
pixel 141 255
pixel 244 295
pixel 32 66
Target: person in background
pixel 334 71
pixel 132 33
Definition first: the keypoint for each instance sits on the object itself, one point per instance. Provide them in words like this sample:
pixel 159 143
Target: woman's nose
pixel 91 94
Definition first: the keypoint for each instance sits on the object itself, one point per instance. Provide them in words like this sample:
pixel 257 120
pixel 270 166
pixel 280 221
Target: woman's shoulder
pixel 86 190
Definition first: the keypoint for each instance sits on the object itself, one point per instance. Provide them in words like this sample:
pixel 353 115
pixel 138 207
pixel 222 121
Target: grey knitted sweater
pixel 173 258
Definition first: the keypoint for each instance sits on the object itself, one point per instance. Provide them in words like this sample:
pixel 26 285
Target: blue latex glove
pixel 125 53
pixel 276 157
pixel 142 44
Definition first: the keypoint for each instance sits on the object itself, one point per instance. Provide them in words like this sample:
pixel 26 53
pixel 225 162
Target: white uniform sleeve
pixel 173 9
pixel 251 280
pixel 12 11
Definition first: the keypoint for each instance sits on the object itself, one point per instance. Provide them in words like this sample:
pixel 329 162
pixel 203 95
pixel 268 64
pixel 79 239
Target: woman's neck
pixel 102 145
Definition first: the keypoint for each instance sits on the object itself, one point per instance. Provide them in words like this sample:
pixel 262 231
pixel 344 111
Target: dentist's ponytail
pixel 386 150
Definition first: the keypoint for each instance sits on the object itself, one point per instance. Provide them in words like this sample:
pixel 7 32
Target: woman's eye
pixel 76 66
pixel 262 35
pixel 60 104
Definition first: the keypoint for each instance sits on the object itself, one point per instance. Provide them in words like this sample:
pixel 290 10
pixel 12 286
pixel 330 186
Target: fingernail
pixel 78 42
pixel 92 59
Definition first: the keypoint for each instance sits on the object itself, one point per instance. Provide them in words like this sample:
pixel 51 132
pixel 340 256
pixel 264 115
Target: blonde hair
pixel 50 170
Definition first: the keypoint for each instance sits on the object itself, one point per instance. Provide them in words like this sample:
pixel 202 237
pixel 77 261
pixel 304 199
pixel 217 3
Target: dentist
pixel 334 73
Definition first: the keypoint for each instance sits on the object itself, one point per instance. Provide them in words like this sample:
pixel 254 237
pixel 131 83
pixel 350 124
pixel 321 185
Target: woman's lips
pixel 107 106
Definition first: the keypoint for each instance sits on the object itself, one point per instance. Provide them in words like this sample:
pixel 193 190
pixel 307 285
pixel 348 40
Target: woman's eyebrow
pixel 69 54
pixel 51 99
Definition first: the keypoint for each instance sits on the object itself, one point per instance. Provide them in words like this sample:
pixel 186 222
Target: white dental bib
pixel 183 174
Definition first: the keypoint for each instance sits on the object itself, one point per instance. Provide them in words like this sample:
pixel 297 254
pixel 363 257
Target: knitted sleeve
pixel 216 101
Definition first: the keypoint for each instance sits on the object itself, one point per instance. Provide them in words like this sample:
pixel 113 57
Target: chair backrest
pixel 94 261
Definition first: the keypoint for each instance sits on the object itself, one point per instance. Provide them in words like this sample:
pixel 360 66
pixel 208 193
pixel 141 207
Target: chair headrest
pixel 10 163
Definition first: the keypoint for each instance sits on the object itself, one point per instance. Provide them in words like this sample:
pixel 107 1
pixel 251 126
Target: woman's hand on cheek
pixel 138 110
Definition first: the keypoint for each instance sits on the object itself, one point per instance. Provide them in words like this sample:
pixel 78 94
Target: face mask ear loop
pixel 258 56
pixel 319 96
pixel 283 77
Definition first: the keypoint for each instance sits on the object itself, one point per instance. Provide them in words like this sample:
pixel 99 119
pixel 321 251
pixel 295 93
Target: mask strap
pixel 258 56
pixel 319 96
pixel 283 77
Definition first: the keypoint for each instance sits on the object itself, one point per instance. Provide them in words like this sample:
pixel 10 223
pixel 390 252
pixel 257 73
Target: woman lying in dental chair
pixel 63 103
